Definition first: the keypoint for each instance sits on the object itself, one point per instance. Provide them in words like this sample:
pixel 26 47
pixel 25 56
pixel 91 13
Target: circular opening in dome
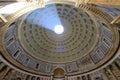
pixel 59 29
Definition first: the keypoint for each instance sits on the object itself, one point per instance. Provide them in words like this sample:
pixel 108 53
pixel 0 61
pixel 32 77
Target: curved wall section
pixel 15 50
pixel 91 55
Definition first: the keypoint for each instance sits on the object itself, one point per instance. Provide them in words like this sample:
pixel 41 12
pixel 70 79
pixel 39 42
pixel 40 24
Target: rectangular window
pixel 26 61
pixel 37 66
pixel 17 53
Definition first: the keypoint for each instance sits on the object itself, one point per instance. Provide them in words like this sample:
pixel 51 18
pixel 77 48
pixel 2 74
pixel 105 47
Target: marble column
pixel 118 62
pixel 10 74
pixel 111 72
pixel 25 77
pixel 92 77
pixel 33 78
pixel 84 78
pixel 79 78
pixel 116 69
pixel 89 77
pixel 28 77
pixel 105 74
pixel 66 78
pixel 117 65
pixel 1 65
pixel 38 78
pixel 3 71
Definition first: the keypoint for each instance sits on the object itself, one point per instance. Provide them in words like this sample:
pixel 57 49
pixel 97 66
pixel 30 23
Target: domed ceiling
pixel 58 36
pixel 38 38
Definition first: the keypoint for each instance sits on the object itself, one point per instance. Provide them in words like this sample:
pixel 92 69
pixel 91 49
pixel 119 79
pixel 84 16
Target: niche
pixel 59 73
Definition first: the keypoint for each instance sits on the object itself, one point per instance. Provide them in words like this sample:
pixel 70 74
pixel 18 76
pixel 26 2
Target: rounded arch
pixel 58 72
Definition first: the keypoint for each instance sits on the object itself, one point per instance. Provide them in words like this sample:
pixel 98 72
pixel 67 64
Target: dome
pixel 37 36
